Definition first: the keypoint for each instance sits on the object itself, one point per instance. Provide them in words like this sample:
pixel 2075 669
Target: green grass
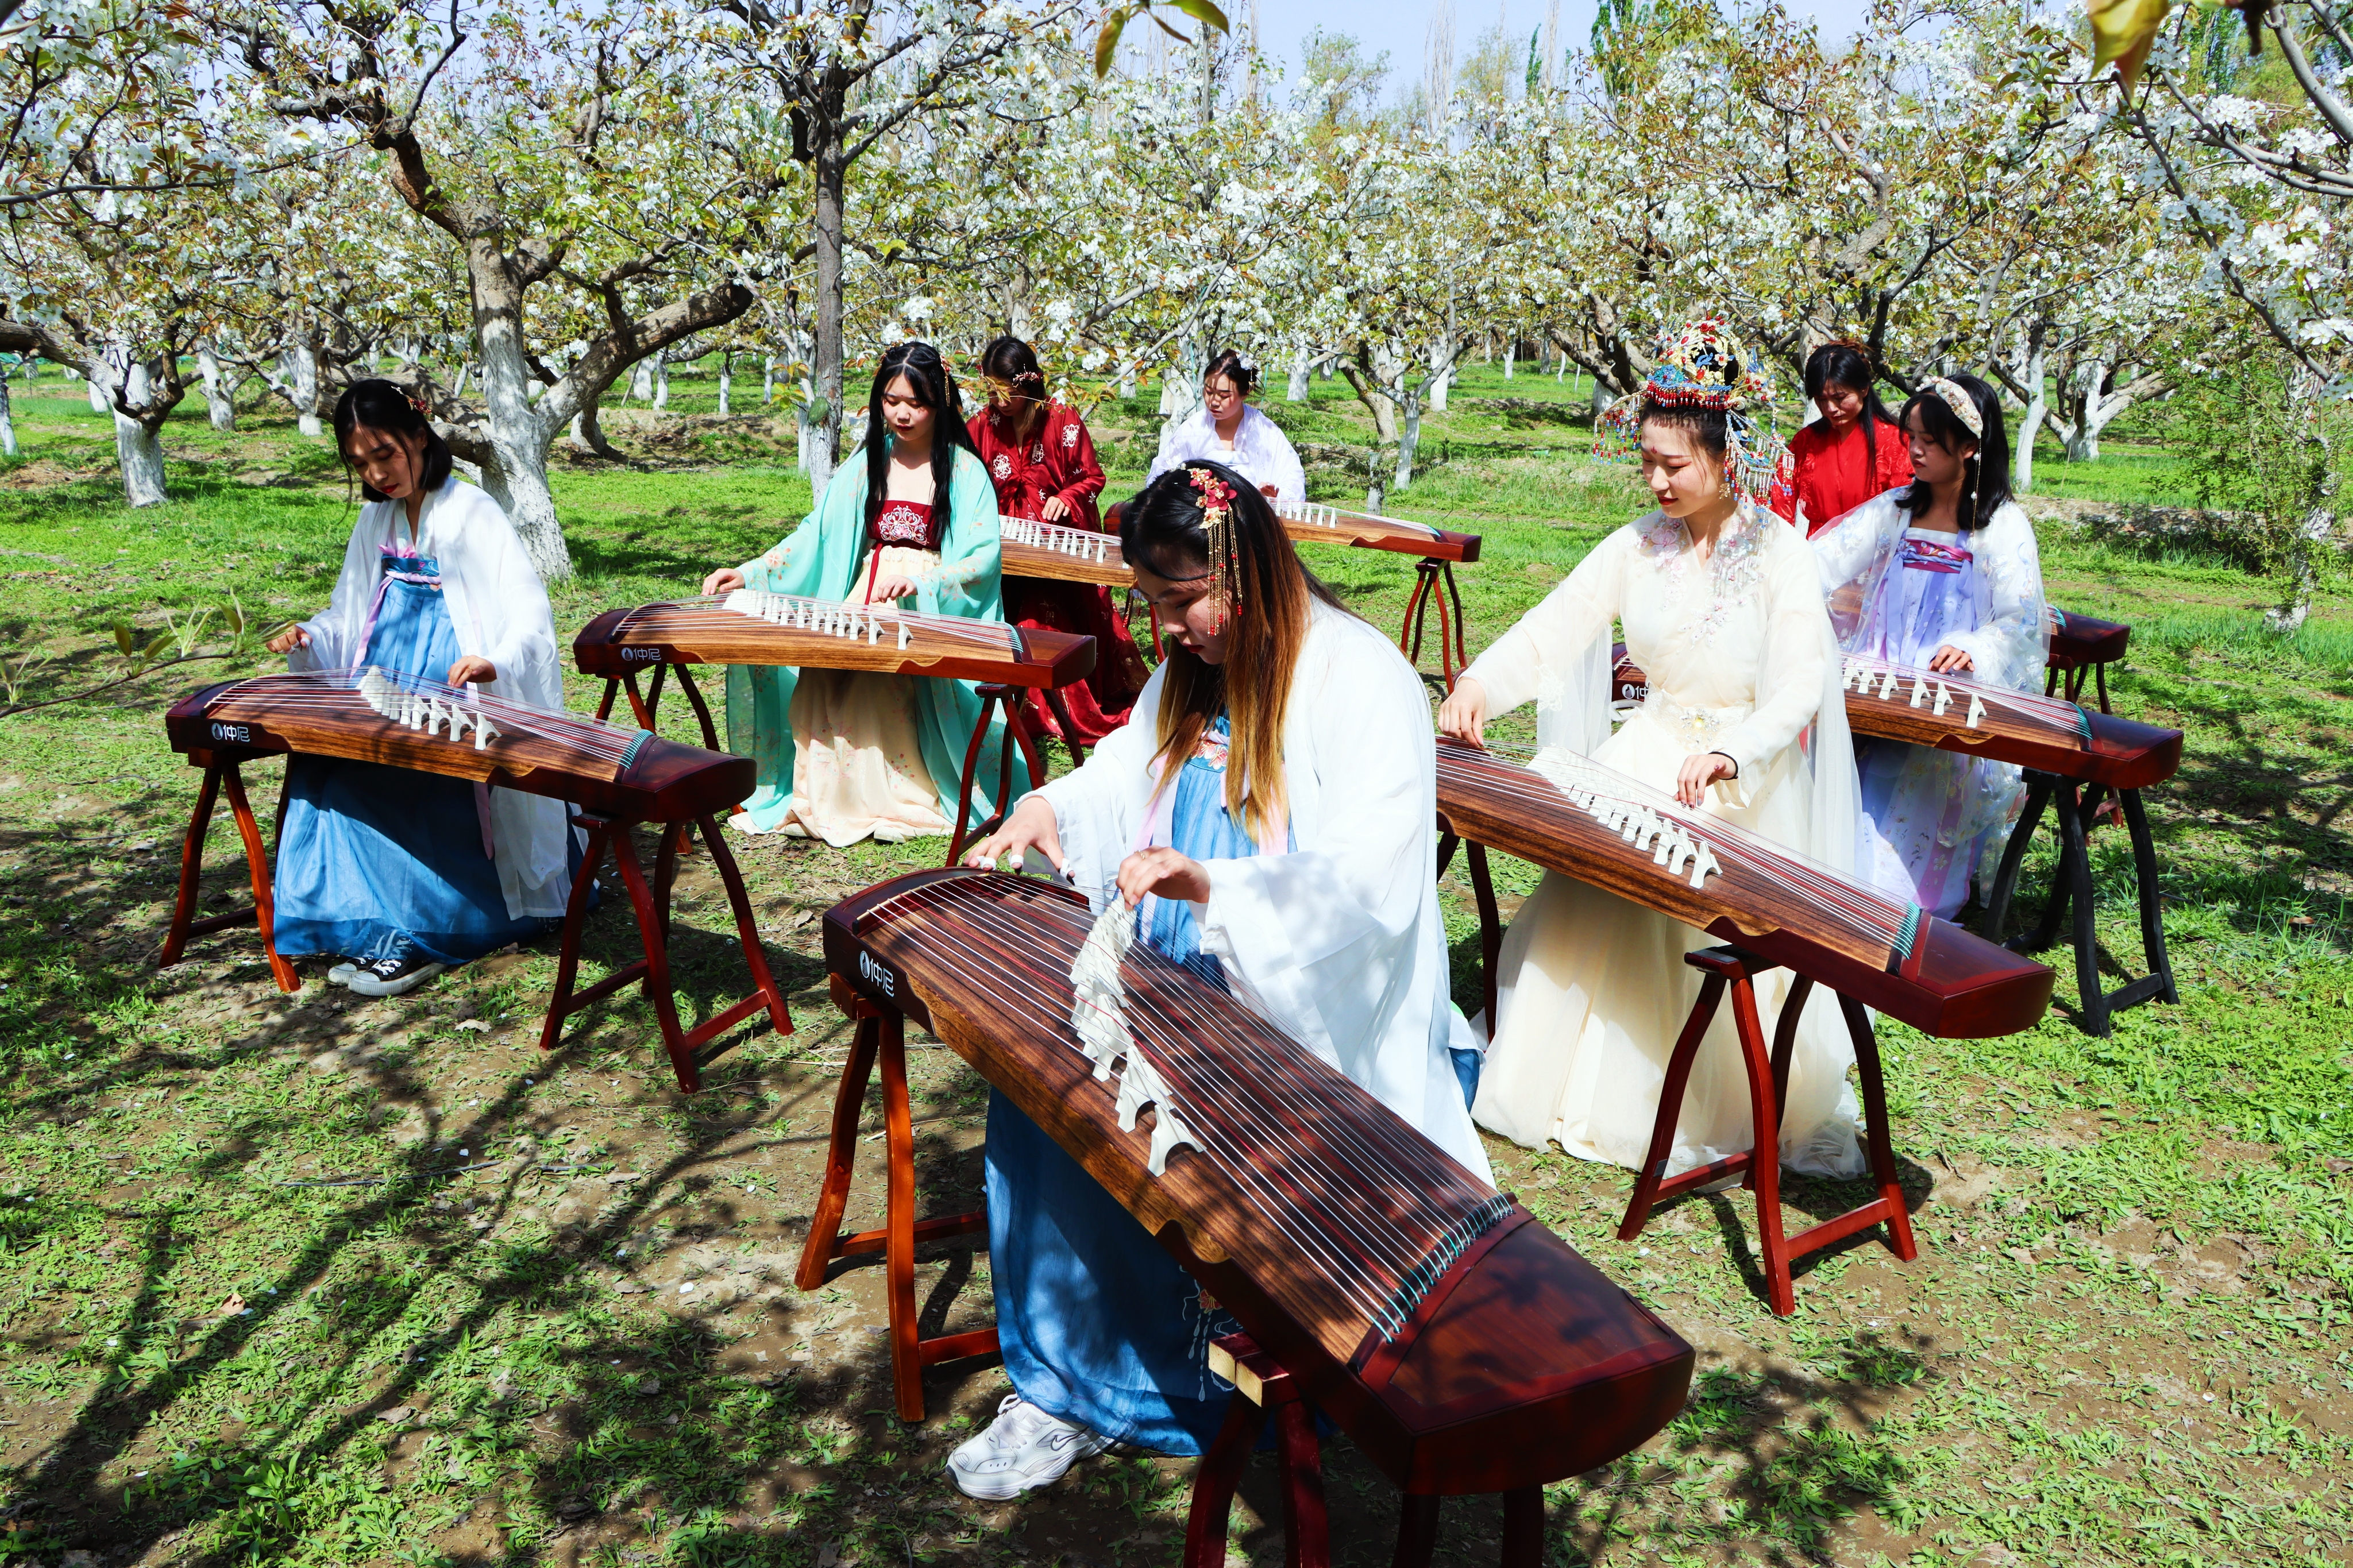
pixel 2128 1338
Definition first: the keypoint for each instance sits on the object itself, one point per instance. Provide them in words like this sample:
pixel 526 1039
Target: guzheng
pixel 751 627
pixel 1058 552
pixel 1051 549
pixel 1311 522
pixel 613 778
pixel 1462 1345
pixel 2047 734
pixel 1590 821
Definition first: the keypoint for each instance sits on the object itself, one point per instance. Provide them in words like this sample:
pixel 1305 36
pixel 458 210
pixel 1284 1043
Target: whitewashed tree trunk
pixel 768 379
pixel 465 369
pixel 220 400
pixel 1511 353
pixel 300 360
pixel 1303 368
pixel 726 380
pixel 1409 435
pixel 138 449
pixel 1442 365
pixel 641 380
pixel 98 404
pixel 2029 422
pixel 7 422
pixel 1180 389
pixel 662 385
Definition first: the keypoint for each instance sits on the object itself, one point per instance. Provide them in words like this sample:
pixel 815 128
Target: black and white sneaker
pixel 342 973
pixel 395 977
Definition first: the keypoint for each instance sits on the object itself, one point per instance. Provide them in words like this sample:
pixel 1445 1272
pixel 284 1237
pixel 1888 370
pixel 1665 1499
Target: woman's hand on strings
pixel 1163 872
pixel 1463 714
pixel 1030 825
pixel 1948 659
pixel 887 586
pixel 1055 510
pixel 289 640
pixel 1700 769
pixel 726 580
pixel 1269 492
pixel 471 668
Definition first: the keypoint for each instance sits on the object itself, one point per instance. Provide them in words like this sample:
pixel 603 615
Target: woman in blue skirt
pixel 402 874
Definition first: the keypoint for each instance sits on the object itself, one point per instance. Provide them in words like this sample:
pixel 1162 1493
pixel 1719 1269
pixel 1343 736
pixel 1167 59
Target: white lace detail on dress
pixel 1736 566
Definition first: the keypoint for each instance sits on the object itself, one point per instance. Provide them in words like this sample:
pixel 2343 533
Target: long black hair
pixel 1985 479
pixel 1844 364
pixel 935 389
pixel 376 405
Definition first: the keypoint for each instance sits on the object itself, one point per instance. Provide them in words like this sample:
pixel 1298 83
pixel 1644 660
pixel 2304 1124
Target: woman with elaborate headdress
pixel 1042 460
pixel 1267 813
pixel 1944 573
pixel 911 518
pixel 1226 429
pixel 1745 719
pixel 1853 452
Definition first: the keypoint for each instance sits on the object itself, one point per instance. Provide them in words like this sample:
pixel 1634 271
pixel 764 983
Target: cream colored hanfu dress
pixel 1593 990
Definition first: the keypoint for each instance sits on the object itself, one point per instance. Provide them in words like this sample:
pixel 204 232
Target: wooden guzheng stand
pixel 2072 756
pixel 1772 911
pixel 613 780
pixel 1061 554
pixel 1500 1361
pixel 814 633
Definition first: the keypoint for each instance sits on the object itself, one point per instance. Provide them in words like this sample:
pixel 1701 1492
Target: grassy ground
pixel 314 1279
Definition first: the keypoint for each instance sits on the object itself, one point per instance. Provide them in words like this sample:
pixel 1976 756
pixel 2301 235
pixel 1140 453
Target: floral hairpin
pixel 1955 396
pixel 424 409
pixel 1217 499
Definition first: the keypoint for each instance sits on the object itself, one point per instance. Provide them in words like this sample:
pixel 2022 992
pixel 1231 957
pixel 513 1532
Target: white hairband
pixel 1953 395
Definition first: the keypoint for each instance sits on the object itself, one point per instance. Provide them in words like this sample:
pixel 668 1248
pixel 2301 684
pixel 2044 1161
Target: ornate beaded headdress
pixel 1217 499
pixel 1706 366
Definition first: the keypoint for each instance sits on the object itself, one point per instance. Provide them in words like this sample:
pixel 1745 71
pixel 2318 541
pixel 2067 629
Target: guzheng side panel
pixel 2105 749
pixel 1364 531
pixel 1036 560
pixel 620 640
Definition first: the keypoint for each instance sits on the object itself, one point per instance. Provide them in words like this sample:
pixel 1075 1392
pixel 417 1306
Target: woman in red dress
pixel 1043 463
pixel 1853 452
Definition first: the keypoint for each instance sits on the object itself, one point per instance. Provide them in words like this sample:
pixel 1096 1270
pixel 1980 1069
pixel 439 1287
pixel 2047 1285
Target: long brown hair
pixel 1163 531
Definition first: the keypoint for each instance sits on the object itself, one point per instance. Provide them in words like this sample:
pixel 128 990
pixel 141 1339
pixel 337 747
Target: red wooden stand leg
pixel 1017 724
pixel 1524 1527
pixel 223 777
pixel 1416 1531
pixel 1262 1387
pixel 1213 1484
pixel 560 1004
pixel 1417 611
pixel 747 932
pixel 881 1041
pixel 991 695
pixel 192 863
pixel 1768 1081
pixel 1306 1525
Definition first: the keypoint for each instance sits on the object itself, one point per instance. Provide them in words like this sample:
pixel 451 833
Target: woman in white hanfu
pixel 1269 813
pixel 1744 720
pixel 1944 573
pixel 1226 429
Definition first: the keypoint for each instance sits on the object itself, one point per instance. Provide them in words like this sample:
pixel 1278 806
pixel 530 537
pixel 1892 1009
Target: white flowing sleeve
pixel 1550 647
pixel 1274 460
pixel 1181 442
pixel 2010 644
pixel 1797 646
pixel 517 625
pixel 1099 806
pixel 334 632
pixel 1852 556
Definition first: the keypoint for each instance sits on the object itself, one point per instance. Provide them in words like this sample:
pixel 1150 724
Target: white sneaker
pixel 1023 1447
pixel 341 973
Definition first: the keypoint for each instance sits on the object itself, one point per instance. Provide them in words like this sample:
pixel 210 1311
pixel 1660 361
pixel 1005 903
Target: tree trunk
pixel 301 359
pixel 1371 378
pixel 515 460
pixel 726 381
pixel 641 380
pixel 7 424
pixel 138 448
pixel 825 363
pixel 661 383
pixel 98 404
pixel 2084 440
pixel 220 403
pixel 1511 352
pixel 2029 422
pixel 768 379
pixel 2296 603
pixel 588 432
pixel 1303 366
pixel 1408 438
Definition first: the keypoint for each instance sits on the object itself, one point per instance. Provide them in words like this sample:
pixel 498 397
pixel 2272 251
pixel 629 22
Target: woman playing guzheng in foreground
pixel 405 873
pixel 1853 452
pixel 1269 814
pixel 1226 430
pixel 910 518
pixel 1744 720
pixel 1943 574
pixel 1042 461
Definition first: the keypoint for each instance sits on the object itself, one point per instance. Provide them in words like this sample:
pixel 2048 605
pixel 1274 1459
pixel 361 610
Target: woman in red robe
pixel 1853 452
pixel 1043 463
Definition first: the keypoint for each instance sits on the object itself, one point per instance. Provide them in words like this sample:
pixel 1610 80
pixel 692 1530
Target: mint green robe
pixel 824 559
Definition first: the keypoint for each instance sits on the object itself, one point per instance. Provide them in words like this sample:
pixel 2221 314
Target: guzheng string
pixel 1938 694
pixel 1315 515
pixel 1382 1215
pixel 791 612
pixel 1549 776
pixel 467 717
pixel 1081 543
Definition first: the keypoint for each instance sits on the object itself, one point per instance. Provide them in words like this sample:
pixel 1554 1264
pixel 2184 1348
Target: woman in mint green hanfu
pixel 911 517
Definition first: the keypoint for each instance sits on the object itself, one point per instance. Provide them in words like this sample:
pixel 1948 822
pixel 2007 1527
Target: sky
pixel 1402 28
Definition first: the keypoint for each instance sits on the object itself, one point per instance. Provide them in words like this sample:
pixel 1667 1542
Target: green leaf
pixel 1201 11
pixel 123 637
pixel 1107 41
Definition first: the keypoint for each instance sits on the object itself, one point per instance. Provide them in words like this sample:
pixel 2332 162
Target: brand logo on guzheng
pixel 641 656
pixel 240 733
pixel 877 975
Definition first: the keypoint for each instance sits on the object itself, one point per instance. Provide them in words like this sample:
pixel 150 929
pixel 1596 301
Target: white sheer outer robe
pixel 1338 942
pixel 499 609
pixel 1263 454
pixel 1943 800
pixel 1592 990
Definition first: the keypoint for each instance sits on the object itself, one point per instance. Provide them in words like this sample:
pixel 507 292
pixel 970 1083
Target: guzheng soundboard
pixel 1461 1344
pixel 613 778
pixel 1056 552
